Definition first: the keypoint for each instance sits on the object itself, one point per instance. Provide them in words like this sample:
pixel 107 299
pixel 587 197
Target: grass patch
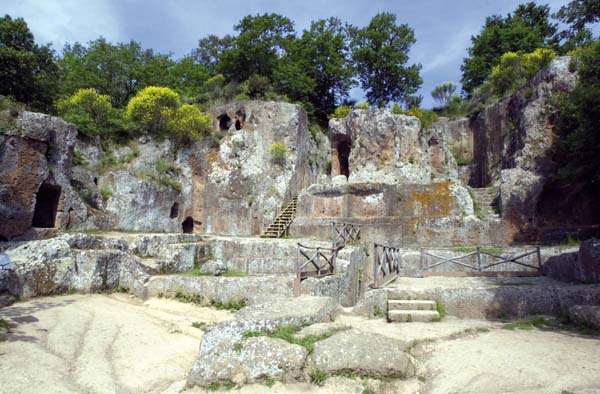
pixel 105 193
pixel 188 298
pixel 253 334
pixel 214 386
pixel 4 325
pixel 317 376
pixel 528 324
pixel 288 334
pixel 378 312
pixel 231 305
pixel 441 310
pixel 267 382
pixel 238 347
pixel 200 325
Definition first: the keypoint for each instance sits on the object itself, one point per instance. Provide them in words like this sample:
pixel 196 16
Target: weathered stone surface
pixel 318 329
pixel 249 360
pixel 364 354
pixel 587 316
pixel 588 262
pixel 72 262
pixel 266 317
pixel 38 151
pixel 214 267
pixel 383 147
pixel 221 288
pixel 373 304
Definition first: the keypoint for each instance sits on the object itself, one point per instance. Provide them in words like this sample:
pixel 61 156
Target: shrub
pixel 90 111
pixel 444 93
pixel 340 112
pixel 190 123
pixel 362 105
pixel 515 69
pixel 397 109
pixel 426 116
pixel 154 107
pixel 278 152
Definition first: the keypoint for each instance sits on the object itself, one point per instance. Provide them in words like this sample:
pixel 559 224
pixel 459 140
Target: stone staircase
pixel 407 311
pixel 282 222
pixel 483 202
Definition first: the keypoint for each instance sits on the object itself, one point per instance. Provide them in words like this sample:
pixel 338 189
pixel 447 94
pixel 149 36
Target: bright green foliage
pixel 426 116
pixel 190 123
pixel 412 101
pixel 340 112
pixel 154 107
pixel 525 30
pixel 278 152
pixel 515 69
pixel 363 105
pixel 397 109
pixel 28 73
pixel 380 52
pixel 89 110
pixel 443 93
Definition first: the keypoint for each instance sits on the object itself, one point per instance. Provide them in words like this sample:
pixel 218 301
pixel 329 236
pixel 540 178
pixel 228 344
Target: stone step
pixel 413 316
pixel 411 305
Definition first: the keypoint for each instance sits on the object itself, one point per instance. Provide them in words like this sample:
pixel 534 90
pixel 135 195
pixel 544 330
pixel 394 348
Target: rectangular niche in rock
pixel 46 206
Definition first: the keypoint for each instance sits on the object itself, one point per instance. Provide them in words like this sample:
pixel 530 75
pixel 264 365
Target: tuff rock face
pixel 379 146
pixel 35 168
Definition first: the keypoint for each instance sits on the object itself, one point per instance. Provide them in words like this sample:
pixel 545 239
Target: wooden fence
pixel 479 265
pixel 314 262
pixel 345 233
pixel 386 264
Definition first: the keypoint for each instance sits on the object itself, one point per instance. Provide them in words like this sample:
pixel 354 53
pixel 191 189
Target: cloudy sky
pixel 442 27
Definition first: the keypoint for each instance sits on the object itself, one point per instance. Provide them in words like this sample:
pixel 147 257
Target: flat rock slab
pixel 362 353
pixel 321 329
pixel 251 359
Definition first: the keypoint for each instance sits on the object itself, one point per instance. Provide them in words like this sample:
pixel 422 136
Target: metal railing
pixel 386 264
pixel 344 233
pixel 479 265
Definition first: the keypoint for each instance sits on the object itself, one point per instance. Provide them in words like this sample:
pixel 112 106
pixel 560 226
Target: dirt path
pixel 116 344
pixel 99 344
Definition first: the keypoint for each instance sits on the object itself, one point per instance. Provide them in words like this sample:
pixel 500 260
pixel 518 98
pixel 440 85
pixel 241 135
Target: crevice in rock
pixel 224 122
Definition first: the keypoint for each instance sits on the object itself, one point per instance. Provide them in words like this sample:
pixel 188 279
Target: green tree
pixel 525 30
pixel 577 124
pixel 210 49
pixel 28 72
pixel 443 93
pixel 117 70
pixel 89 110
pixel 261 42
pixel 380 53
pixel 324 54
pixel 578 15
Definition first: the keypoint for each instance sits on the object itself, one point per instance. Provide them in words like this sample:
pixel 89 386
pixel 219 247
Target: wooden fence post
pixel 539 257
pixel 375 263
pixel 479 259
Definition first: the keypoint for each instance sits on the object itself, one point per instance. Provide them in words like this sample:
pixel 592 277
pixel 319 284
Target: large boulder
pixel 585 316
pixel 72 262
pixel 588 262
pixel 379 146
pixel 364 354
pixel 224 338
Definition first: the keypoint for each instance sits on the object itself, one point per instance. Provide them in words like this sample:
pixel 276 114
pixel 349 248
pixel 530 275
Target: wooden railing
pixel 314 262
pixel 386 264
pixel 479 265
pixel 345 233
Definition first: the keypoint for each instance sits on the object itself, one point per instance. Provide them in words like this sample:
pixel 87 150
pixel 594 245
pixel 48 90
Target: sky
pixel 443 28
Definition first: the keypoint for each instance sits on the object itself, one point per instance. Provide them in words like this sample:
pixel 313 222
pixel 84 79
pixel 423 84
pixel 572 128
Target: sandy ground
pixel 117 344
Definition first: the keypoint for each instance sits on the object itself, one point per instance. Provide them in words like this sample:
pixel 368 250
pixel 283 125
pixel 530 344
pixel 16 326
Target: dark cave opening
pixel 174 210
pixel 188 225
pixel 46 206
pixel 224 122
pixel 343 151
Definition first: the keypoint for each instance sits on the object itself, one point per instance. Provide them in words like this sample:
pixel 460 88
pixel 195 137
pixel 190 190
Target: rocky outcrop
pixel 226 353
pixel 581 266
pixel 363 354
pixel 35 176
pixel 379 146
pixel 509 145
pixel 585 316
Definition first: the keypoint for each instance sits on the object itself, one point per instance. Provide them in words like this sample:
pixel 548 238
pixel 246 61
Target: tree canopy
pixel 380 52
pixel 529 27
